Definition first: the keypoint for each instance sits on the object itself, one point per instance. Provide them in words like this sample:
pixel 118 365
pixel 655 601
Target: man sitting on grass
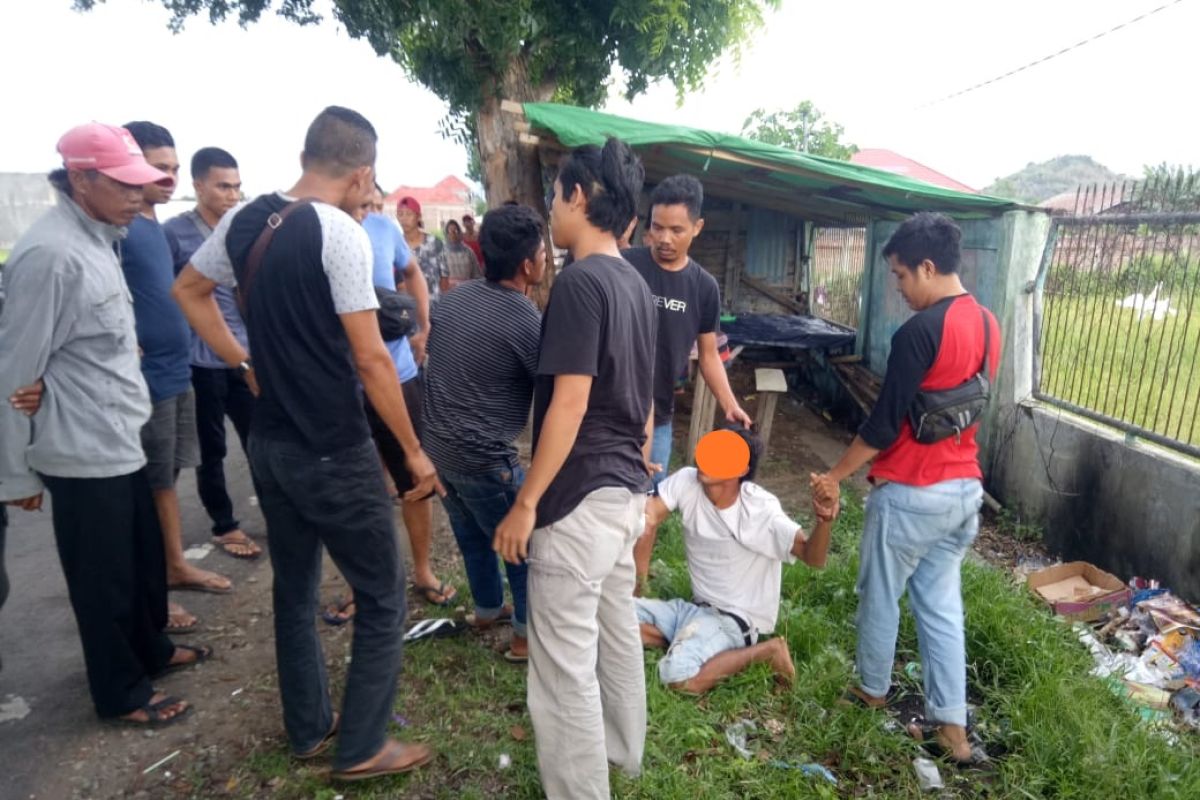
pixel 737 537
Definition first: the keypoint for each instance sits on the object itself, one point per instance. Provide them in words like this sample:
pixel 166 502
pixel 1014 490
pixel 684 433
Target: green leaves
pixel 804 128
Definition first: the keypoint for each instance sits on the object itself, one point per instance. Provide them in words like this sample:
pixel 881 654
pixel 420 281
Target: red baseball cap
pixel 110 151
pixel 411 204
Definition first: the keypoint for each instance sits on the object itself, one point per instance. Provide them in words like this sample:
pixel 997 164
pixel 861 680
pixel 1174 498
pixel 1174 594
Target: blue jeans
pixel 337 500
pixel 694 634
pixel 915 537
pixel 475 504
pixel 660 451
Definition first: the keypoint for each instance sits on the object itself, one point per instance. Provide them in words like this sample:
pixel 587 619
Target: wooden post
pixel 770 384
pixel 704 408
pixel 732 268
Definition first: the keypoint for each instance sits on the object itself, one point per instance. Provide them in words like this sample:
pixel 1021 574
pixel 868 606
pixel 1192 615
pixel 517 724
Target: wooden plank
pixel 765 289
pixel 764 420
pixel 733 268
pixel 530 139
pixel 770 380
pixel 512 107
pixel 846 359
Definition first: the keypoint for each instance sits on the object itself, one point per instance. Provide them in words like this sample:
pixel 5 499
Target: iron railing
pixel 1118 309
pixel 838 259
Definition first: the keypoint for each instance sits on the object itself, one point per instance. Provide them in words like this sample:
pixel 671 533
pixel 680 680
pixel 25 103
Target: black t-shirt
pixel 316 267
pixel 599 322
pixel 688 303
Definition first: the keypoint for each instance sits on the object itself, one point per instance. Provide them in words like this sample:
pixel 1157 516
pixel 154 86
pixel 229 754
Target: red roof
pixel 894 162
pixel 449 191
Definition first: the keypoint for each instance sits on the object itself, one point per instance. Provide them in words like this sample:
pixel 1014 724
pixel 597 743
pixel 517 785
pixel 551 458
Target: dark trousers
pixel 3 571
pixel 220 393
pixel 338 500
pixel 111 550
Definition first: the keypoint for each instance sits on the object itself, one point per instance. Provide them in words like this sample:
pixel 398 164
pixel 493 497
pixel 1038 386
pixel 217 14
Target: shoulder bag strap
pixel 259 249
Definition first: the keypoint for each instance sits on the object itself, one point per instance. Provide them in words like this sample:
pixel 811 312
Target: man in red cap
pixel 737 538
pixel 68 320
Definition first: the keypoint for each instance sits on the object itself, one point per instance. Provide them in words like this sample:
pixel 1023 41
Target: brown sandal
pixel 395 758
pixel 324 744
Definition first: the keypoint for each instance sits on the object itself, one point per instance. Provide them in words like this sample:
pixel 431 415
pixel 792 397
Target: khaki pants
pixel 587 684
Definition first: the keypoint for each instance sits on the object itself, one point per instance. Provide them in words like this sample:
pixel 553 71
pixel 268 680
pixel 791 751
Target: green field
pixel 1059 733
pixel 1146 372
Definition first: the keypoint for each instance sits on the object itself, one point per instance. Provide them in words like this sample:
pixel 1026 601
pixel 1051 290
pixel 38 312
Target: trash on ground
pixel 197 552
pixel 927 775
pixel 504 762
pixel 737 735
pixel 811 770
pixel 1079 591
pixel 159 763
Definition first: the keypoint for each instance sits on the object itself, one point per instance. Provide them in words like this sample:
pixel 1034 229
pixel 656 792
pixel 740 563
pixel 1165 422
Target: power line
pixel 1044 59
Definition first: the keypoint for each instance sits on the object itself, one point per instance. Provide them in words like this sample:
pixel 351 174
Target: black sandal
pixel 154 717
pixel 203 653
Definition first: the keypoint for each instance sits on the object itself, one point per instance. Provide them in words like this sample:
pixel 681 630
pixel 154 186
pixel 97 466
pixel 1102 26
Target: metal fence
pixel 1117 309
pixel 838 259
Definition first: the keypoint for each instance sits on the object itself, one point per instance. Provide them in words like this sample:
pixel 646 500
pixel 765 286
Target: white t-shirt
pixel 736 555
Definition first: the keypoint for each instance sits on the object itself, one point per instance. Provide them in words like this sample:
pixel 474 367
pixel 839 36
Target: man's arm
pixel 377 372
pixel 194 293
pixel 718 379
pixel 648 446
pixel 813 550
pixel 415 285
pixel 567 408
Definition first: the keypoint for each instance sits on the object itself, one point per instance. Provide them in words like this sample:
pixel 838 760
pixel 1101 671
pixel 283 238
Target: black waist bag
pixel 397 314
pixel 940 414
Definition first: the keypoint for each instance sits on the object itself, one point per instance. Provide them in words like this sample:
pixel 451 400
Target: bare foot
pixel 155 711
pixel 189 577
pixel 781 662
pixel 179 619
pixel 237 544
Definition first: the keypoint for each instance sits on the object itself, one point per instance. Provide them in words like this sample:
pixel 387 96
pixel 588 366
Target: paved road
pixel 50 737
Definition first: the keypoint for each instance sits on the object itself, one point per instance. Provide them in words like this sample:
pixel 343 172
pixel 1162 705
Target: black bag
pixel 940 414
pixel 397 314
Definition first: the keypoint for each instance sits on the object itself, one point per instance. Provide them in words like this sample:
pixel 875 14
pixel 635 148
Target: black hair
pixel 379 189
pixel 148 135
pixel 207 158
pixel 752 440
pixel 508 236
pixel 340 140
pixel 927 235
pixel 453 222
pixel 679 190
pixel 60 180
pixel 611 179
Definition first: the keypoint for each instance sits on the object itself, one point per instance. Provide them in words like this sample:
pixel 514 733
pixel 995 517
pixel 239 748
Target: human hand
pixel 417 342
pixel 512 534
pixel 33 503
pixel 737 414
pixel 826 496
pixel 425 479
pixel 251 381
pixel 28 399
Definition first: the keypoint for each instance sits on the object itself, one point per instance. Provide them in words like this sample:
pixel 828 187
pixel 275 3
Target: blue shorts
pixel 660 451
pixel 696 634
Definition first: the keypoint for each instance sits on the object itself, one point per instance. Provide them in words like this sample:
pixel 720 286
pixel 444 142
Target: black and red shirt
pixel 940 347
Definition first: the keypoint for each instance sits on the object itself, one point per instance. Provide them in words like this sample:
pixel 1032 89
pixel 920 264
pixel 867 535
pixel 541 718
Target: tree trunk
pixel 512 171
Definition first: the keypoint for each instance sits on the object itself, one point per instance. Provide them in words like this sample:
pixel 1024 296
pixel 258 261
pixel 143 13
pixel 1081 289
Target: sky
pixel 874 66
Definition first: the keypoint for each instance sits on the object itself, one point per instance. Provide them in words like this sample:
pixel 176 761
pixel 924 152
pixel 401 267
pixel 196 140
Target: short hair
pixel 148 135
pixel 379 189
pixel 207 158
pixel 340 140
pixel 508 236
pixel 61 180
pixel 679 190
pixel 453 222
pixel 611 179
pixel 927 235
pixel 752 440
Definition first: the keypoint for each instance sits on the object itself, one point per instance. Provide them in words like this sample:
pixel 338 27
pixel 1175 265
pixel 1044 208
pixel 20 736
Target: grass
pixel 1100 356
pixel 1062 733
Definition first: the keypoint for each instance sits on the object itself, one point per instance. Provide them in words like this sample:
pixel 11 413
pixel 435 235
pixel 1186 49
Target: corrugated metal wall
pixel 769 243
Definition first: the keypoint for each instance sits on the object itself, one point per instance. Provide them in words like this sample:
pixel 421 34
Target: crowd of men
pixel 126 343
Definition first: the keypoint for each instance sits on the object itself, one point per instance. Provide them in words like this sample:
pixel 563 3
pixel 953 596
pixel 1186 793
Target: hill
pixel 1038 182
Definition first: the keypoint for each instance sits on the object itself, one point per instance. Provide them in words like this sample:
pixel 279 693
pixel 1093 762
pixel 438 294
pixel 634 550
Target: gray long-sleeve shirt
pixel 68 319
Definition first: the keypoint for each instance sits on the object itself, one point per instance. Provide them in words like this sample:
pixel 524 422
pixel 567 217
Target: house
pixel 889 161
pixel 447 199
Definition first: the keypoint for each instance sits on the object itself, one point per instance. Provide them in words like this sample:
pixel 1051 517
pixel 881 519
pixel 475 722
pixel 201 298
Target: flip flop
pixel 332 617
pixel 513 658
pixel 203 653
pixel 199 586
pixel 419 753
pixel 853 698
pixel 447 592
pixel 245 541
pixel 153 718
pixel 437 628
pixel 324 744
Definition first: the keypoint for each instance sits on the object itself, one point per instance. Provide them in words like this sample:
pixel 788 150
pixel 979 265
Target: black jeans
pixel 3 571
pixel 219 393
pixel 339 500
pixel 111 549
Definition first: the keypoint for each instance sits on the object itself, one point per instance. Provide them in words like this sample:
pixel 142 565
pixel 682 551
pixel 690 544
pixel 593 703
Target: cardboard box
pixel 1079 590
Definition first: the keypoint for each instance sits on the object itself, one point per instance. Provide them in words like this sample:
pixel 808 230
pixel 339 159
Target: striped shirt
pixel 483 357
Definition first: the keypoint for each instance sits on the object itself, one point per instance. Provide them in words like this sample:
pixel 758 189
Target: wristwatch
pixel 244 367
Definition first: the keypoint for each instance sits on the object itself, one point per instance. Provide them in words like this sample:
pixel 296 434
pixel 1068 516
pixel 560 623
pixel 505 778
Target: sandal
pixel 395 758
pixel 443 590
pixel 154 714
pixel 202 653
pixel 858 698
pixel 324 744
pixel 336 614
pixel 250 549
pixel 925 733
pixel 201 586
pixel 503 618
pixel 173 629
pixel 438 628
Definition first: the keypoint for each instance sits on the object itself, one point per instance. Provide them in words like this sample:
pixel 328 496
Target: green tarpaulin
pixel 781 178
